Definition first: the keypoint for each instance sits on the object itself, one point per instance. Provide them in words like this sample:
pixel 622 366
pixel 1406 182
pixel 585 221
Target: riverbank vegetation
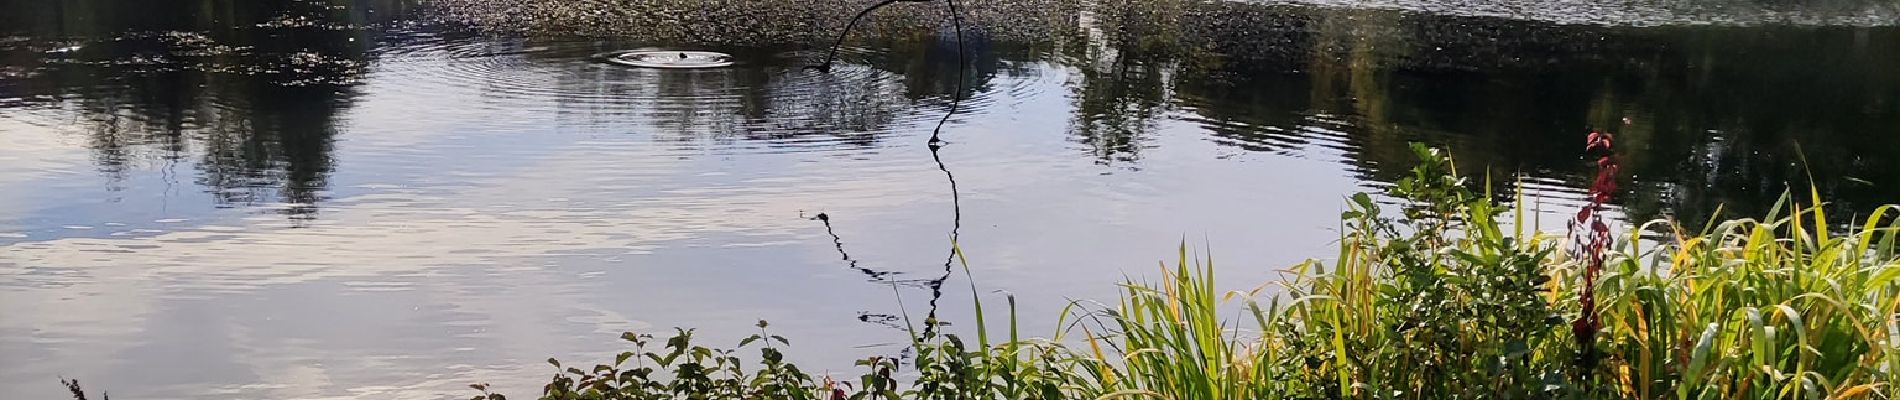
pixel 1441 292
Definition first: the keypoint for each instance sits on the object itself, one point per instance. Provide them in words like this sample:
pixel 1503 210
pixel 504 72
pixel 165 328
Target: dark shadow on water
pixel 1712 114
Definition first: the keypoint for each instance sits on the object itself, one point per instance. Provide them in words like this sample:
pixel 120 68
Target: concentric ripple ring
pixel 670 59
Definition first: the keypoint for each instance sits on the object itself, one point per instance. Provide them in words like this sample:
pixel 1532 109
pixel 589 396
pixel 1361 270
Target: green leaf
pixel 1364 200
pixel 1126 393
pixel 1699 358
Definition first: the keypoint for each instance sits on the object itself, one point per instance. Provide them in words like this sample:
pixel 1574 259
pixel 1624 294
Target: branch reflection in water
pixel 935 144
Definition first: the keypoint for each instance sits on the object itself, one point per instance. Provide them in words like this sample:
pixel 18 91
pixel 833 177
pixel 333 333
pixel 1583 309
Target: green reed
pixel 1439 294
pixel 1780 307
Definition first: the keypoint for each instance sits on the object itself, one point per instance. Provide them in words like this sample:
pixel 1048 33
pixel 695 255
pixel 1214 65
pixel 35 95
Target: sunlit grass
pixel 1778 307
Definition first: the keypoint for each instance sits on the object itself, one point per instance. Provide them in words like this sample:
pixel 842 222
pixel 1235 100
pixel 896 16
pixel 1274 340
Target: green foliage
pixel 1441 297
pixel 1773 308
pixel 681 370
pixel 1438 303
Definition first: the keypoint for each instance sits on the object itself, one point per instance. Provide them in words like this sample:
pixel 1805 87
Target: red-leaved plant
pixel 1591 236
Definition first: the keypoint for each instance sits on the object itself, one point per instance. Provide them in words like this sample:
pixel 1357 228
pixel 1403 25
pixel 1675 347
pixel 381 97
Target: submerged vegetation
pixel 1442 293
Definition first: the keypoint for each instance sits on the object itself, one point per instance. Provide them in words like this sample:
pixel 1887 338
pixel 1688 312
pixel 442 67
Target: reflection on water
pixel 367 199
pixel 1715 115
pixel 244 92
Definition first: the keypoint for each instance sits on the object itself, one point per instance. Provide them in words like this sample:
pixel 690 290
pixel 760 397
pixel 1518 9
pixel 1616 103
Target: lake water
pixel 383 200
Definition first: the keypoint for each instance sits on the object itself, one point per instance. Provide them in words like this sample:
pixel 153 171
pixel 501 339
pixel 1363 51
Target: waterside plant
pixel 1437 292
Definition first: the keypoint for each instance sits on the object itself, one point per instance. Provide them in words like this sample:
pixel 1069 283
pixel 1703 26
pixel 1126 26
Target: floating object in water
pixel 670 59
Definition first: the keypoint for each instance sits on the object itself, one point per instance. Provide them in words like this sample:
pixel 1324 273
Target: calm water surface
pixel 384 200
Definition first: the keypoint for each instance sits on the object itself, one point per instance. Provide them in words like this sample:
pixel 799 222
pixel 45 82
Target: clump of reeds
pixel 1780 307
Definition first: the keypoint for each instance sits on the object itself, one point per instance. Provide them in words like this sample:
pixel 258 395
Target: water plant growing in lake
pixel 1445 294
